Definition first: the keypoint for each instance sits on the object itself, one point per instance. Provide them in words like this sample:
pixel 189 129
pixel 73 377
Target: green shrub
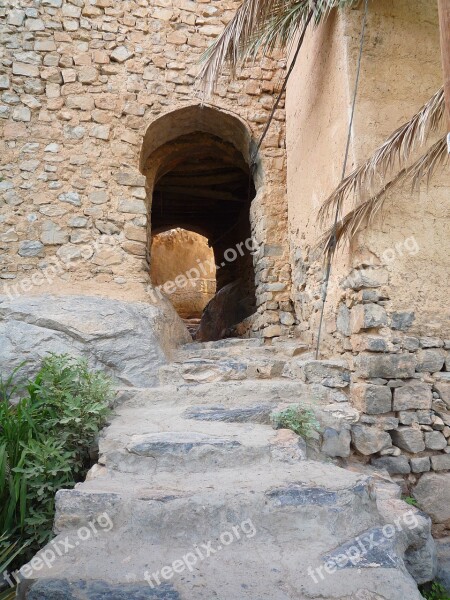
pixel 45 441
pixel 301 420
pixel 434 591
pixel 8 552
pixel 411 501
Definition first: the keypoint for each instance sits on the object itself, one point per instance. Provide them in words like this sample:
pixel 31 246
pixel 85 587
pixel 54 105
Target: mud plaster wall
pixel 178 251
pixel 408 244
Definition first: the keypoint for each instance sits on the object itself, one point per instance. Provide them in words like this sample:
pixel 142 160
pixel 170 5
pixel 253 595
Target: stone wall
pixel 387 308
pixel 82 81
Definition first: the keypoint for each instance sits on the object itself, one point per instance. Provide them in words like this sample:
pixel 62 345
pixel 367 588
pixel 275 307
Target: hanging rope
pixel 344 170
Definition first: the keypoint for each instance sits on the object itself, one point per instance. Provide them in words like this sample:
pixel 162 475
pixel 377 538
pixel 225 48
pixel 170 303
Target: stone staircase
pixel 195 496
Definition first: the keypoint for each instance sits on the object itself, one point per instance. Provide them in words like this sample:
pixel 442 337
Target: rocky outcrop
pixel 130 340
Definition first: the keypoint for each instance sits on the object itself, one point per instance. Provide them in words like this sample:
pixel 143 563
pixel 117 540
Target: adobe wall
pixel 387 309
pixel 178 251
pixel 81 83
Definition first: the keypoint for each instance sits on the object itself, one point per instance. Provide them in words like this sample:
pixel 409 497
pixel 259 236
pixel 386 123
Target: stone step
pixel 333 374
pixel 202 447
pixel 275 570
pixel 227 344
pixel 265 542
pixel 202 370
pixel 246 348
pixel 195 464
pixel 281 500
pixel 229 394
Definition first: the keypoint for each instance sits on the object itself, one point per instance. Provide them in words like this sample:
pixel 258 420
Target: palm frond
pixel 363 214
pixel 395 151
pixel 8 594
pixel 258 27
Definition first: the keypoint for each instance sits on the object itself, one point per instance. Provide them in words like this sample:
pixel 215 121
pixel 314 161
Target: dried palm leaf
pixel 364 213
pixel 395 151
pixel 258 27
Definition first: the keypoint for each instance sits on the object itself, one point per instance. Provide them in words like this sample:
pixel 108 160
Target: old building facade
pixel 106 141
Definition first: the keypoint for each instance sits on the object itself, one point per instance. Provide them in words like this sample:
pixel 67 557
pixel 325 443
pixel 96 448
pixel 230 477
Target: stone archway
pixel 196 165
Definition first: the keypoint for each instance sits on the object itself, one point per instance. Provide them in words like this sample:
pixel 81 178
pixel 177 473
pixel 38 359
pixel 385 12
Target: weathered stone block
pixel 384 422
pixel 343 320
pixel 4 82
pixel 389 366
pixel 410 343
pixel 52 234
pixel 407 417
pixel 369 440
pixel 368 343
pixel 365 277
pixel 371 399
pixel 101 132
pixel 440 462
pixel 402 321
pixel 425 417
pixel 409 439
pixel 71 198
pixel 334 374
pixel 443 389
pixel 435 440
pixel 367 316
pixel 420 464
pixel 121 54
pixel 135 248
pixel 135 207
pixel 393 464
pixel 433 495
pixel 431 342
pixel 413 394
pixel 130 179
pixel 30 248
pixel 16 17
pixel 336 443
pixel 22 113
pixel 430 360
pixel 99 197
pixel 137 234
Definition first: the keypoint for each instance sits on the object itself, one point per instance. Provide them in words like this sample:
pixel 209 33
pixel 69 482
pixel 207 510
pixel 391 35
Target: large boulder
pixel 229 307
pixel 130 340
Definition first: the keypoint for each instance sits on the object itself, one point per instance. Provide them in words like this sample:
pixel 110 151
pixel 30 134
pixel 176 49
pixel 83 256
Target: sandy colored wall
pixel 179 252
pixel 408 242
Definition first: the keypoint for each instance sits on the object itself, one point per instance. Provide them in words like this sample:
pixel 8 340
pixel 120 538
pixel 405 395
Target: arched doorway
pixel 196 163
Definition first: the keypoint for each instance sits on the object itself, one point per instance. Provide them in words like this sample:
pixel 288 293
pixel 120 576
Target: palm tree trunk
pixel 444 25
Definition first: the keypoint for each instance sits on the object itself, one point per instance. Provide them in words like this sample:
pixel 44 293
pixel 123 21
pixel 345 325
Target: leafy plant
pixel 301 420
pixel 11 385
pixel 434 591
pixel 411 501
pixel 8 552
pixel 8 594
pixel 71 404
pixel 45 442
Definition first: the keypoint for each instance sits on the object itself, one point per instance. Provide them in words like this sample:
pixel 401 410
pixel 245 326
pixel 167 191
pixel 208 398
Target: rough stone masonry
pixel 82 81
